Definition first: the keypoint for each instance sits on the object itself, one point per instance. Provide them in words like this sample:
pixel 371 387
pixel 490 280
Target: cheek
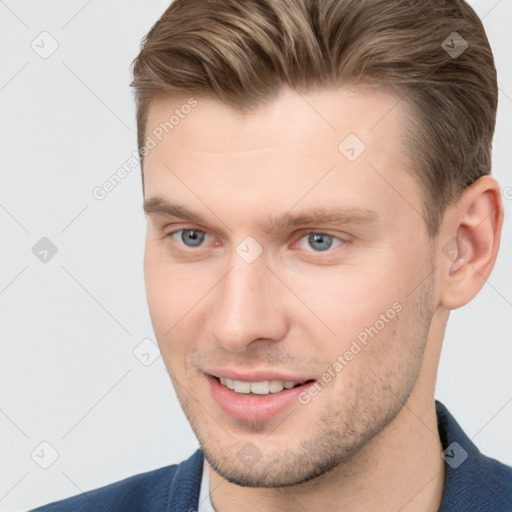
pixel 350 298
pixel 167 294
pixel 363 306
pixel 177 304
pixel 157 290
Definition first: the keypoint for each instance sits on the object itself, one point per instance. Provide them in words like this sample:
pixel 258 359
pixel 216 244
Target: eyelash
pixel 301 237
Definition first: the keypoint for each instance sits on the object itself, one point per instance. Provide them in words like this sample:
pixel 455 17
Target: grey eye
pixel 192 237
pixel 318 242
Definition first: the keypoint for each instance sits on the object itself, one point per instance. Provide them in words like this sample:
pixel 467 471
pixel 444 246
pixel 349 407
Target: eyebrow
pixel 159 206
pixel 335 215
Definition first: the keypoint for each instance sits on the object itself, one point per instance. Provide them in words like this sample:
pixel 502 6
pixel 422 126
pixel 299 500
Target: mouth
pixel 256 400
pixel 263 387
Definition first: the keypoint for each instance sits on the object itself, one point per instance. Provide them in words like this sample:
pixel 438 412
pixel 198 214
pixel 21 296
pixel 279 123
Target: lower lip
pixel 252 407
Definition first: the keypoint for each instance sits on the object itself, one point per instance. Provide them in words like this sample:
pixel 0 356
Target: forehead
pixel 329 146
pixel 321 118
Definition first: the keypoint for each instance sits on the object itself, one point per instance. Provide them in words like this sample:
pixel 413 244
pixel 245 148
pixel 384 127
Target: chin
pixel 282 468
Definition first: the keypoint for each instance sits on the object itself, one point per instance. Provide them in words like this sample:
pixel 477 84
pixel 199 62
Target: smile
pixel 263 387
pixel 255 400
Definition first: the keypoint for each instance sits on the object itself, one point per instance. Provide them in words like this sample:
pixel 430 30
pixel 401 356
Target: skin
pixel 368 440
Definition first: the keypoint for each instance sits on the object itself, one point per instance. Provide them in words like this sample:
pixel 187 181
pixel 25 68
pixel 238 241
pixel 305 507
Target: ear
pixel 469 240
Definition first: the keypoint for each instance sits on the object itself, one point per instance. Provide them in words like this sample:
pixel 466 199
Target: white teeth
pixel 242 387
pixel 260 388
pixel 275 386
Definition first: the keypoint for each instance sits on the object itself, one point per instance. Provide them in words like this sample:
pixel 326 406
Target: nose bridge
pixel 245 309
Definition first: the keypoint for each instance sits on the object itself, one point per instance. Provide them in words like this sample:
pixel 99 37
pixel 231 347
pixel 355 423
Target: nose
pixel 249 307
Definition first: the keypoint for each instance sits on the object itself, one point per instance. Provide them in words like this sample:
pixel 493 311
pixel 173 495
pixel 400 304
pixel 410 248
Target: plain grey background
pixel 75 398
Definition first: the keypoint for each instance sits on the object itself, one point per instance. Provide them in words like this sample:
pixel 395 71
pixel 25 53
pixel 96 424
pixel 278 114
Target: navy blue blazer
pixel 473 483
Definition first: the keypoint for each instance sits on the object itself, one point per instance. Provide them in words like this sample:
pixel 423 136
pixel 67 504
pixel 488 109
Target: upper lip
pixel 256 375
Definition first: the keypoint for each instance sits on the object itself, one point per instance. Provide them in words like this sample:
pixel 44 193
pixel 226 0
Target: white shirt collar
pixel 205 502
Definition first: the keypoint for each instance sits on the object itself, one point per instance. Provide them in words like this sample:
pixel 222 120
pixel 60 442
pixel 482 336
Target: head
pixel 316 179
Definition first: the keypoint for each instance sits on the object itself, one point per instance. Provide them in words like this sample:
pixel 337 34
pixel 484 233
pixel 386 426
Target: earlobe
pixel 470 238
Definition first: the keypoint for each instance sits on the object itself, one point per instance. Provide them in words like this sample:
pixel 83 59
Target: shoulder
pixel 482 483
pixel 153 485
pixel 473 482
pixel 494 481
pixel 151 491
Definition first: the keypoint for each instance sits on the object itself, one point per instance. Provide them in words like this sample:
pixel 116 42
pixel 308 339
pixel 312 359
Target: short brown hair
pixel 242 52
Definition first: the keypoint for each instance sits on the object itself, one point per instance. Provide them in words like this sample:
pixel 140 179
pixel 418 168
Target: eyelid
pixel 184 227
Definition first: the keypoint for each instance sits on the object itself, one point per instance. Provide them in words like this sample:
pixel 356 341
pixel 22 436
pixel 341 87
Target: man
pixel 317 188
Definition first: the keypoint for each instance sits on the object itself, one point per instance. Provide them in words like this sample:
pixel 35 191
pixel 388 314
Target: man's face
pixel 306 261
